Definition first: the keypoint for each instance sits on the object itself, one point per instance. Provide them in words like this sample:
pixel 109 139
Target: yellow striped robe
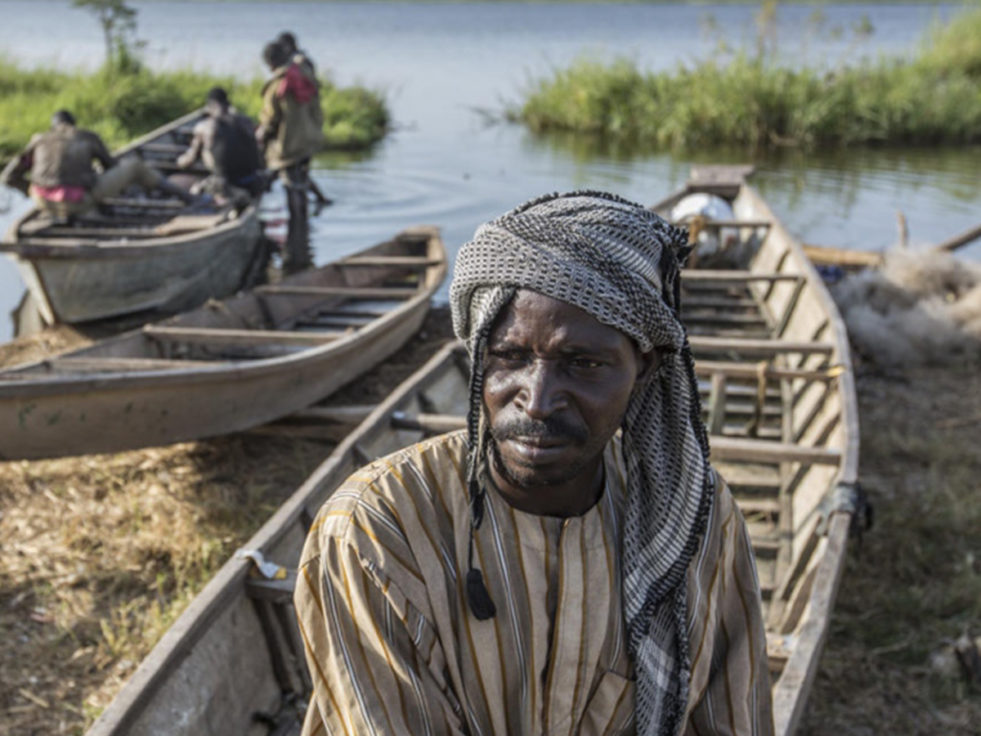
pixel 393 648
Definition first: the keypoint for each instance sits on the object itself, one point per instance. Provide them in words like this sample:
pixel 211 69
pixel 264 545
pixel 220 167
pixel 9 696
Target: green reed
pixel 751 98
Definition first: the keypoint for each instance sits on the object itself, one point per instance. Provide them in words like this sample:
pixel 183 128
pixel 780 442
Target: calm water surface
pixel 440 64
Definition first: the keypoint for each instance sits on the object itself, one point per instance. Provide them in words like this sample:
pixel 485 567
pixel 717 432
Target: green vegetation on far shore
pixel 756 101
pixel 121 105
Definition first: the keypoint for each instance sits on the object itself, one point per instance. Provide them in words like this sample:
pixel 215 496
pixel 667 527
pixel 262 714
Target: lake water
pixel 440 64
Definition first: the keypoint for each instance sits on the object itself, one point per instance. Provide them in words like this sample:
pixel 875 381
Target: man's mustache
pixel 554 428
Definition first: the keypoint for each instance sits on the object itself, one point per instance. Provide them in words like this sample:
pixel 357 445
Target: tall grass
pixel 755 101
pixel 121 106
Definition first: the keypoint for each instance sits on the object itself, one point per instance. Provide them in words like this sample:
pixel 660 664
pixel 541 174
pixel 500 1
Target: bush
pixel 755 102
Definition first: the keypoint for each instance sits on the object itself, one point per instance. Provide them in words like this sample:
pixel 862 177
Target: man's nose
pixel 541 391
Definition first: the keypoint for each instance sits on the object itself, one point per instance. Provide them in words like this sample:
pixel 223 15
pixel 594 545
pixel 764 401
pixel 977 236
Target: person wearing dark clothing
pixel 225 142
pixel 56 170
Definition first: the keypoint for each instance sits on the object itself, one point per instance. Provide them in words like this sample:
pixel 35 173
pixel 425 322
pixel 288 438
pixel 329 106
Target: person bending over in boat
pixel 225 141
pixel 302 61
pixel 63 182
pixel 570 563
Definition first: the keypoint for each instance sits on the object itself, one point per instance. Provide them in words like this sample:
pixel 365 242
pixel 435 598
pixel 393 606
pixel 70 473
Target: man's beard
pixel 551 428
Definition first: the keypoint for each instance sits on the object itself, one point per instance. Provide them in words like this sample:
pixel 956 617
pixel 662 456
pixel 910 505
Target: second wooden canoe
pixel 228 365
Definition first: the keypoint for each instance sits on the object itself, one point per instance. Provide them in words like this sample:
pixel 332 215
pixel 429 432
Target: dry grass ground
pixel 913 583
pixel 99 554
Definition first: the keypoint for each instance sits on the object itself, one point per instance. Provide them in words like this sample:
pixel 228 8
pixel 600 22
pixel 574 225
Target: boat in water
pixel 141 254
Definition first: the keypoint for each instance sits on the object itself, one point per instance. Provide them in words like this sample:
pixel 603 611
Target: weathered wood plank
pixel 735 369
pixel 416 261
pixel 763 451
pixel 216 336
pixel 348 292
pixel 756 346
pixel 734 276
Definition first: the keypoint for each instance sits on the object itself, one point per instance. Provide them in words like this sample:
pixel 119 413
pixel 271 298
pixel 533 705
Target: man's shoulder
pixel 389 487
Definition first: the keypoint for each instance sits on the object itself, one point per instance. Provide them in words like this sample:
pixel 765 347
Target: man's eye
pixel 510 356
pixel 585 363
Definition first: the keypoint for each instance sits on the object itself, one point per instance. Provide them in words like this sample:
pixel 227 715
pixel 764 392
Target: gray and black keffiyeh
pixel 619 262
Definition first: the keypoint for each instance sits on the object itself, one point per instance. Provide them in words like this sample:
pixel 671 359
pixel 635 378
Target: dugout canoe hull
pixel 229 365
pixel 806 493
pixel 147 256
pixel 784 458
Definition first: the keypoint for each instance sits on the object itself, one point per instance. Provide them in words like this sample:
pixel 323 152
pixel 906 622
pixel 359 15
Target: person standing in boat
pixel 306 65
pixel 570 563
pixel 225 142
pixel 290 133
pixel 62 180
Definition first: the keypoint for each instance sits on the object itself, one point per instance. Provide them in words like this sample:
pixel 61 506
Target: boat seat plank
pixel 361 308
pixel 108 364
pixel 418 261
pixel 348 292
pixel 717 302
pixel 723 318
pixel 757 346
pixel 703 275
pixel 763 451
pixel 222 336
pixel 733 369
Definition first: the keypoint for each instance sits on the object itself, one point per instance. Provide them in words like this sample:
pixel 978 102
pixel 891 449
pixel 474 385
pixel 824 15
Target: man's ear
pixel 647 364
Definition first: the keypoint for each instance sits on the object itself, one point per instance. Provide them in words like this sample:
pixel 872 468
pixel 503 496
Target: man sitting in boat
pixel 570 563
pixel 63 182
pixel 302 61
pixel 225 141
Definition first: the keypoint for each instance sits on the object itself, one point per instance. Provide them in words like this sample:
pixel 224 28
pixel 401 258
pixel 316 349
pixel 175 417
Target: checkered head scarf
pixel 619 262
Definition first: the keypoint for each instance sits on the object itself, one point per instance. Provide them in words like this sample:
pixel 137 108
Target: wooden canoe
pixel 778 394
pixel 145 255
pixel 228 365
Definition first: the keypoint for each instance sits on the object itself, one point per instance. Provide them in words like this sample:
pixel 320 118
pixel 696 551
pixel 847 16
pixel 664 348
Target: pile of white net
pixel 918 308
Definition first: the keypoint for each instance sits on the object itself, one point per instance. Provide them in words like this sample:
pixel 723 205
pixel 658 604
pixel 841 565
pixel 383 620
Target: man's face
pixel 557 383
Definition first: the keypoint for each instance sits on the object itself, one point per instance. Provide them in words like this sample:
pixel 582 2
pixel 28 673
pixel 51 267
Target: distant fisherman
pixel 290 132
pixel 225 141
pixel 301 59
pixel 63 182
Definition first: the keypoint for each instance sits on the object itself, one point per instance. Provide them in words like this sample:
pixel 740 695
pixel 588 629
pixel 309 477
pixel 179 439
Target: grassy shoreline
pixel 121 106
pixel 756 101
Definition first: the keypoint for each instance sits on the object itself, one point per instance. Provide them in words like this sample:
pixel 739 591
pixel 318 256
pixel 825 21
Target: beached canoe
pixel 228 365
pixel 145 254
pixel 777 387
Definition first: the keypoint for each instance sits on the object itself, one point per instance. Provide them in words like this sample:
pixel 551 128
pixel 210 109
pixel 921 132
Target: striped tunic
pixel 393 648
